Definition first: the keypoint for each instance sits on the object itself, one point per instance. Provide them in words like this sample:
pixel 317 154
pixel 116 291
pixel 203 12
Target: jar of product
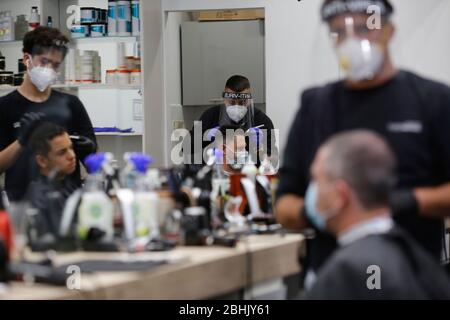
pixel 87 66
pixel 137 63
pixel 124 18
pixel 135 18
pixel 79 31
pixel 98 30
pixel 112 18
pixel 122 77
pixel 6 78
pixel 135 77
pixel 130 63
pixel 110 76
pixel 21 27
pixel 88 15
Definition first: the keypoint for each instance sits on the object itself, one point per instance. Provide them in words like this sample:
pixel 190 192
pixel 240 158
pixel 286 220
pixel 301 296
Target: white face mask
pixel 236 112
pixel 41 77
pixel 360 59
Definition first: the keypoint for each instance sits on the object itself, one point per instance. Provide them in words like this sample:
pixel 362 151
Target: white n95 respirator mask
pixel 41 77
pixel 236 112
pixel 360 58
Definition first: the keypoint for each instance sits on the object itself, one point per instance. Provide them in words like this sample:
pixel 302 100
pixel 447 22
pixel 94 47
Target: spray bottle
pixel 95 215
pixel 145 207
pixel 220 188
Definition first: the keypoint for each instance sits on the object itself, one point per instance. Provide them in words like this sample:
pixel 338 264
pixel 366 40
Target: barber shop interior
pixel 218 150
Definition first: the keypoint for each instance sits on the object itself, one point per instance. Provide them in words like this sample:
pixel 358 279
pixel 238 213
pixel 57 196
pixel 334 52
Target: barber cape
pixel 49 198
pixel 385 266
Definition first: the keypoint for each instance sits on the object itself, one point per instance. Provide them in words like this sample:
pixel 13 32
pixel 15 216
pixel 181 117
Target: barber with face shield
pixel 21 111
pixel 410 112
pixel 237 110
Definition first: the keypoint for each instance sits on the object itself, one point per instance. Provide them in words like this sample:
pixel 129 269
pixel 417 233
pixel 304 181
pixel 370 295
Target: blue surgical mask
pixel 318 219
pixel 311 211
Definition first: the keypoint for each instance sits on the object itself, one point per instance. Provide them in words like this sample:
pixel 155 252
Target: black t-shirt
pixel 412 113
pixel 60 108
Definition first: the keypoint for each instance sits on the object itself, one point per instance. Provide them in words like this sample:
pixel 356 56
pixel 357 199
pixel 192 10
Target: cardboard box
pixel 224 15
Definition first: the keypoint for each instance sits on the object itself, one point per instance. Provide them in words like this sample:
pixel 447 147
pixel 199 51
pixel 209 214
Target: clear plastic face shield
pixel 238 109
pixel 44 64
pixel 360 55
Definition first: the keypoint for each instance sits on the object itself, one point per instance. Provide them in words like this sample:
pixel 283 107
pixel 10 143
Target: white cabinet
pixel 214 51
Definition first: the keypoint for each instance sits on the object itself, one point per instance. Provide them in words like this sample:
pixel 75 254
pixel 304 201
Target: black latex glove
pixel 403 202
pixel 83 146
pixel 28 123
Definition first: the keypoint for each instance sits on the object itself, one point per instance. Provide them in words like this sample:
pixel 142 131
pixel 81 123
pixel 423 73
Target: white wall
pixel 422 41
pixel 299 54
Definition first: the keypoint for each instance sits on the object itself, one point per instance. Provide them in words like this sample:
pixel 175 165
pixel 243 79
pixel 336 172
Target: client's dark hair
pixel 42 136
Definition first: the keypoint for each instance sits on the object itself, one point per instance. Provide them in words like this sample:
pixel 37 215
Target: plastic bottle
pixel 220 187
pixel 49 22
pixel 96 209
pixel 146 201
pixel 124 18
pixel 135 18
pixel 35 19
pixel 21 27
pixel 7 27
pixel 112 18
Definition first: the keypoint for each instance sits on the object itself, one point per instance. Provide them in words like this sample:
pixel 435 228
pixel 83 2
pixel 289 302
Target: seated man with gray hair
pixel 352 176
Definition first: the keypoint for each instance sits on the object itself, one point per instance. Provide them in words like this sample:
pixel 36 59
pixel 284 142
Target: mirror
pixel 202 50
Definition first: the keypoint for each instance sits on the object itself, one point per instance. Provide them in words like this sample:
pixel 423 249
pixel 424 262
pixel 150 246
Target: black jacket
pixel 406 271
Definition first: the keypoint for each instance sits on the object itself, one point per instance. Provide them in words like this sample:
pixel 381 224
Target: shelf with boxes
pixel 113 64
pixel 121 18
pixel 106 39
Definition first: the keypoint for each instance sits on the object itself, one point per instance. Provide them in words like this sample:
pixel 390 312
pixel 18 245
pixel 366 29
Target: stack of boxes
pixel 82 68
pixel 128 70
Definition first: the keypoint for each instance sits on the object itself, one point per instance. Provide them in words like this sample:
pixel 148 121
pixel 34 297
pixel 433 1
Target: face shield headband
pixel 338 7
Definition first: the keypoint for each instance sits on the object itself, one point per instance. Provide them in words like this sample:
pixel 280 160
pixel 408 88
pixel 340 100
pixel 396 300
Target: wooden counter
pixel 194 272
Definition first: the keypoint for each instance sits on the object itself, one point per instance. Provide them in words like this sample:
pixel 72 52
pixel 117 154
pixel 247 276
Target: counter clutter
pixel 140 209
